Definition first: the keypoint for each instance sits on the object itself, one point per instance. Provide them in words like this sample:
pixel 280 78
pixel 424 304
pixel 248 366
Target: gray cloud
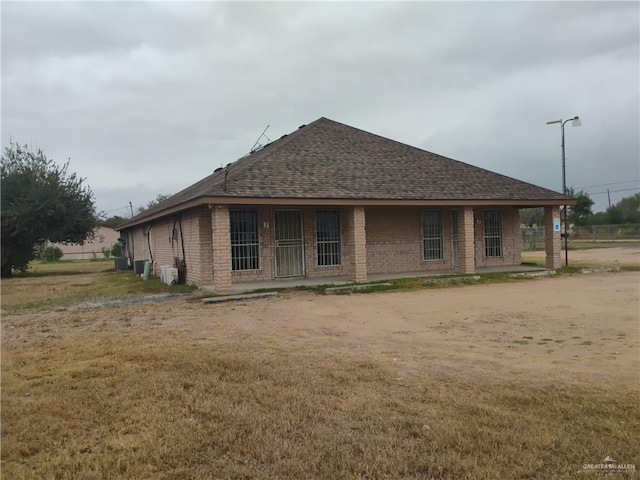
pixel 148 97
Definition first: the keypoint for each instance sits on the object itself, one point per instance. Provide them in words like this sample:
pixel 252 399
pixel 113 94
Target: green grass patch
pixel 64 285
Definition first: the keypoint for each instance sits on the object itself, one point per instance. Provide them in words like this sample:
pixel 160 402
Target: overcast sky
pixel 149 97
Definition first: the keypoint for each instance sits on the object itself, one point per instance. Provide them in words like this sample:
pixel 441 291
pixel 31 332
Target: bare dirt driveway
pixel 583 325
pixel 529 378
pixel 575 326
pixel 623 254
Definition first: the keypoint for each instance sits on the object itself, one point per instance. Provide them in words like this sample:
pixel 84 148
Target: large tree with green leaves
pixel 40 200
pixel 626 210
pixel 580 212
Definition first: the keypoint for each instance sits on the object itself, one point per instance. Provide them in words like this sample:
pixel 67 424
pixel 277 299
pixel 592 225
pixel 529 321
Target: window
pixel 328 237
pixel 492 233
pixel 432 235
pixel 244 239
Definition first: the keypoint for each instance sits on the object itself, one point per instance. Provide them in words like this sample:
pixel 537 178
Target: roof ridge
pixel 438 155
pixel 254 157
pixel 333 160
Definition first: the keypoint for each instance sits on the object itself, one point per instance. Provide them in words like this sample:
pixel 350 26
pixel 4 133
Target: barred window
pixel 432 235
pixel 492 233
pixel 244 239
pixel 328 237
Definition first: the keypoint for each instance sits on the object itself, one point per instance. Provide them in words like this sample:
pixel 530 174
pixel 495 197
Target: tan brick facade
pixel 356 244
pixel 552 240
pixel 158 241
pixel 466 241
pixel 374 240
pixel 511 240
pixel 221 239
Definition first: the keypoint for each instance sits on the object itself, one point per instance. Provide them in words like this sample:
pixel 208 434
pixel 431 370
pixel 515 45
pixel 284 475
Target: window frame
pixel 249 244
pixel 493 242
pixel 335 242
pixel 429 236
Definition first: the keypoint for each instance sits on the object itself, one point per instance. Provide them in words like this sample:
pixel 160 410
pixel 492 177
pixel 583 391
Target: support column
pixel 466 241
pixel 357 241
pixel 221 240
pixel 206 248
pixel 552 241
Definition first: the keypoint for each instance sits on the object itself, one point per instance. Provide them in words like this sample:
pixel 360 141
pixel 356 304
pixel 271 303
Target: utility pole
pixel 609 197
pixel 131 207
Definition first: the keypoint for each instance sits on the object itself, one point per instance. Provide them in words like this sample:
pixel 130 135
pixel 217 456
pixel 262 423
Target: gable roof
pixel 327 160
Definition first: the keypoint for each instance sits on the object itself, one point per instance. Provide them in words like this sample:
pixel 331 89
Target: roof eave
pixel 291 201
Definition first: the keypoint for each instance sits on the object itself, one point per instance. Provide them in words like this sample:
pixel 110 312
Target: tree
pixel 161 197
pixel 52 254
pixel 116 250
pixel 532 216
pixel 626 210
pixel 113 222
pixel 40 200
pixel 579 213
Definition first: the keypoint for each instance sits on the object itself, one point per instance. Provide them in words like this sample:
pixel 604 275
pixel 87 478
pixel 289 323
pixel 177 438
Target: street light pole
pixel 575 123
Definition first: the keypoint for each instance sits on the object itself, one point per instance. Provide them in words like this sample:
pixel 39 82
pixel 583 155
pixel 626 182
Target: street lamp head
pixel 576 122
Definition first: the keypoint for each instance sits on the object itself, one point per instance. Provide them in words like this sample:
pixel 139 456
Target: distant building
pixel 105 237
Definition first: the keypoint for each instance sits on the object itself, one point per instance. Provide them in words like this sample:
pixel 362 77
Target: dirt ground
pixel 576 327
pixel 625 254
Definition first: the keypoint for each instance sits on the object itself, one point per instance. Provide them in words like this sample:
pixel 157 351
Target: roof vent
pixel 302 126
pixel 217 170
pixel 283 136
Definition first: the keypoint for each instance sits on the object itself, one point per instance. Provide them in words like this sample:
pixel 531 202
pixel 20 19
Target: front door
pixel 289 243
pixel 454 238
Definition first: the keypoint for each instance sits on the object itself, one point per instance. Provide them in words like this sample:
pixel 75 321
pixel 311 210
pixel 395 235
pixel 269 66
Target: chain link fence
pixel 533 237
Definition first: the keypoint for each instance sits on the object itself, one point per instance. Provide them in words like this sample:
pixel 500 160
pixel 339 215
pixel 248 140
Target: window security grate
pixel 432 235
pixel 328 237
pixel 244 240
pixel 492 233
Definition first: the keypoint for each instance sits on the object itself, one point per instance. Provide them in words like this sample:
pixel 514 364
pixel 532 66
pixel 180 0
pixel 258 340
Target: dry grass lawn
pixel 274 389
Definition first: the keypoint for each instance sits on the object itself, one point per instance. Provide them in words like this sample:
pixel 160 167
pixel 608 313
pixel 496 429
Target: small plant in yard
pixel 52 254
pixel 116 250
pixel 106 252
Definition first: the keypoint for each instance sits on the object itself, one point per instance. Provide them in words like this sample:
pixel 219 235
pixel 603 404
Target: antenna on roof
pixel 257 146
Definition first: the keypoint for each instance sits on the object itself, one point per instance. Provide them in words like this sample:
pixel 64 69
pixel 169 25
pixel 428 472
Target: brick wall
pixel 552 240
pixel 266 215
pixel 166 247
pixel 394 240
pixel 511 241
pixel 466 241
pixel 221 252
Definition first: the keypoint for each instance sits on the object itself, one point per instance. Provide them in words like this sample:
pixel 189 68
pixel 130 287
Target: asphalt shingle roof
pixel 330 160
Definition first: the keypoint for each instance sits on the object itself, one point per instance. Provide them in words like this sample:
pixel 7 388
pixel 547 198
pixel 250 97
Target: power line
pixel 607 184
pixel 116 209
pixel 614 191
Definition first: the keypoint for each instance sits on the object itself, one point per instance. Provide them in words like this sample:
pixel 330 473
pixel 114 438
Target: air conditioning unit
pixel 121 263
pixel 169 275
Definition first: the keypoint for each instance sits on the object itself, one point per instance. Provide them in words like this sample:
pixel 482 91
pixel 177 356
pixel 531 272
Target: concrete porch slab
pixel 372 278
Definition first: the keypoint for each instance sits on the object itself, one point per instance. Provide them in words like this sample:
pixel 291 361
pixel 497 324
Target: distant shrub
pixel 106 252
pixel 116 250
pixel 52 254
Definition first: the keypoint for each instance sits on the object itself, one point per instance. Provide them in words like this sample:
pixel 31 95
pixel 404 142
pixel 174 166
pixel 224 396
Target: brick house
pixel 330 200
